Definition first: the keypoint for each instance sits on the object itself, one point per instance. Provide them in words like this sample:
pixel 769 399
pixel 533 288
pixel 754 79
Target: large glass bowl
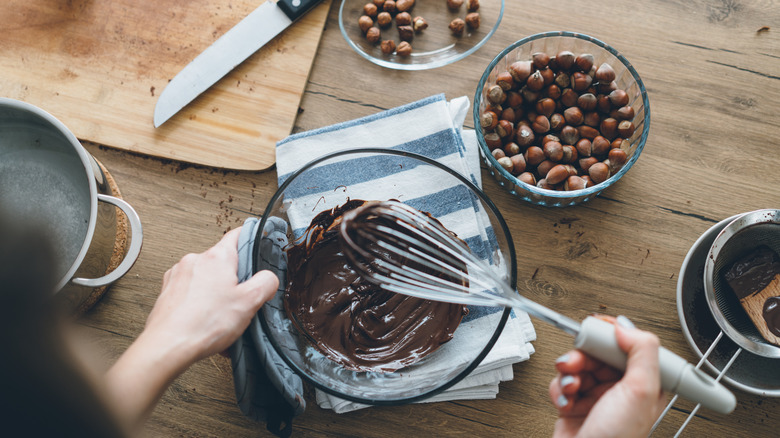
pixel 434 47
pixel 551 43
pixel 314 189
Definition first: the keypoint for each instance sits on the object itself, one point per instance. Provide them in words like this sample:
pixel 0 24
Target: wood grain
pixel 100 66
pixel 714 88
pixel 754 307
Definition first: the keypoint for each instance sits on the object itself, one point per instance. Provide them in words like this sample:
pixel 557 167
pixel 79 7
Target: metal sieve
pixel 740 237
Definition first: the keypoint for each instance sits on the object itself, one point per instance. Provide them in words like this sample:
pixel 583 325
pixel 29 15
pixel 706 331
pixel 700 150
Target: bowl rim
pixel 488 346
pixel 422 66
pixel 562 195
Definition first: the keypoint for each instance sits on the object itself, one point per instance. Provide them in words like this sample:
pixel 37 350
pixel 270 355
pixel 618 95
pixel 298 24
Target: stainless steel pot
pixel 49 181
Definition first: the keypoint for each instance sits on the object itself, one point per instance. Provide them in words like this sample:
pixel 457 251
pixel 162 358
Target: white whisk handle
pixel 597 338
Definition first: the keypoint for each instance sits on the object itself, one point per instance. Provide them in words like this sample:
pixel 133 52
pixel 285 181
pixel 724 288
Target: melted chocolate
pixel 772 315
pixel 352 321
pixel 752 273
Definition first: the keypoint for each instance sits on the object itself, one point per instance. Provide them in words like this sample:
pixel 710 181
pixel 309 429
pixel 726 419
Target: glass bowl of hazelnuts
pixel 560 116
pixel 418 34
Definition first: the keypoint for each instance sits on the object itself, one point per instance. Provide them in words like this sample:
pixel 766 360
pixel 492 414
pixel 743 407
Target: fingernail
pixel 562 401
pixel 566 381
pixel 562 359
pixel 625 322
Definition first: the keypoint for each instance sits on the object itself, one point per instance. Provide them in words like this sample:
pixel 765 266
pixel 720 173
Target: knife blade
pixel 230 50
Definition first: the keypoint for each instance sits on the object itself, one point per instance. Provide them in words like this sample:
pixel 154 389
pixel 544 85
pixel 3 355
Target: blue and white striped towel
pixel 429 127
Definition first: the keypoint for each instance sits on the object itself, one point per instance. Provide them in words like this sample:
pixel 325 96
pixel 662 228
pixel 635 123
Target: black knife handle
pixel 294 9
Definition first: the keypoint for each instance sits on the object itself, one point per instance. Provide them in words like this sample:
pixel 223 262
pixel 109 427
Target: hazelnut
pixel 623 113
pixel 388 46
pixel 404 49
pixel 607 87
pixel 543 184
pixel 389 6
pixel 496 95
pixel 508 114
pixel 493 141
pixel 573 116
pixel 588 181
pixel 626 128
pixel 540 60
pixel 541 124
pixel 472 20
pixel 574 182
pixel 524 136
pixel 488 120
pixel 370 9
pixel 562 80
pixel 617 157
pixel 504 129
pixel 583 62
pixel 603 103
pixel 514 99
pixel 384 19
pixel 473 5
pixel 419 24
pixel 557 174
pixel 544 167
pixel 569 154
pixel 620 143
pixel 584 147
pixel 553 151
pixel 600 145
pixel 454 4
pixel 587 102
pixel 505 81
pixel 557 121
pixel 588 132
pixel 605 73
pixel 528 178
pixel 457 26
pixel 618 98
pixel 599 172
pixel 511 149
pixel 365 22
pixel 580 81
pixel 592 119
pixel 520 71
pixel 405 33
pixel 552 91
pixel 569 135
pixel 545 106
pixel 373 35
pixel 569 97
pixel 378 3
pixel 535 82
pixel 506 163
pixel 403 5
pixel 498 153
pixel 403 19
pixel 548 138
pixel 586 162
pixel 565 60
pixel 609 128
pixel 548 75
pixel 518 162
pixel 534 155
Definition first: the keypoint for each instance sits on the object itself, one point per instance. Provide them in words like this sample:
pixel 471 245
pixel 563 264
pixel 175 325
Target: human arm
pixel 594 399
pixel 201 310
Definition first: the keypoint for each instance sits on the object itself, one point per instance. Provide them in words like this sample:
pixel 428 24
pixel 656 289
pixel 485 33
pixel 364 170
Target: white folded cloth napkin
pixel 431 127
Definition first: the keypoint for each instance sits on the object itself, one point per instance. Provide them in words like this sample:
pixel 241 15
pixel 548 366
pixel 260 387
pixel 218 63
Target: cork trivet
pixel 120 246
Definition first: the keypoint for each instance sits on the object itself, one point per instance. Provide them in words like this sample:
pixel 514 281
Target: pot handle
pixel 136 241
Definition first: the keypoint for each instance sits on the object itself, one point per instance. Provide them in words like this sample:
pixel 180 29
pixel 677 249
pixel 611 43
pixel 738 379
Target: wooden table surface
pixel 713 78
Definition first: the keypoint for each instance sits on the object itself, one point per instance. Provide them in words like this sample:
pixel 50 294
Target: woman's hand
pixel 596 400
pixel 201 310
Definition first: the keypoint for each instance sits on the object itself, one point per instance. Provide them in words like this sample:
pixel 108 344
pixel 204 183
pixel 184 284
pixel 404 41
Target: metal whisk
pixel 406 251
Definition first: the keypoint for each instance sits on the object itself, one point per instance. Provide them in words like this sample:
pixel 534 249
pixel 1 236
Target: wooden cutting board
pixel 100 65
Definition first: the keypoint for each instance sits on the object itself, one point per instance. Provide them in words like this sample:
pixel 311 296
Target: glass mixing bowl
pixel 463 208
pixel 626 78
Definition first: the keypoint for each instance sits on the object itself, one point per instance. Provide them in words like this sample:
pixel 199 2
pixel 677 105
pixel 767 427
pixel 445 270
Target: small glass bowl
pixel 551 43
pixel 314 189
pixel 434 47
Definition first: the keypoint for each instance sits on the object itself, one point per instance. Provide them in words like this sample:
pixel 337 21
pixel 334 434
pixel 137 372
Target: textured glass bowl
pixel 311 196
pixel 433 47
pixel 551 43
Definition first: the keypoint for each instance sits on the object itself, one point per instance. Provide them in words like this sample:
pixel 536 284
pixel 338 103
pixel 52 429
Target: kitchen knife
pixel 231 49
